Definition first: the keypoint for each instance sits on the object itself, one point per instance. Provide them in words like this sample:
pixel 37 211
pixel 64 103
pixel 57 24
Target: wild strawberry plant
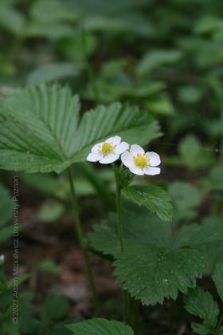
pixel 42 130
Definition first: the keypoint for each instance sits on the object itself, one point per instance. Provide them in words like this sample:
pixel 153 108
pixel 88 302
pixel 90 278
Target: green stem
pixel 90 173
pixel 90 71
pixel 82 244
pixel 118 209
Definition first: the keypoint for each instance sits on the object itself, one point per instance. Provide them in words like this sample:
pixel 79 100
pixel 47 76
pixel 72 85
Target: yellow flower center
pixel 107 148
pixel 141 161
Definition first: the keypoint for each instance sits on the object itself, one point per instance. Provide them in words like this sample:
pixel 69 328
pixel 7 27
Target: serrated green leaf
pixel 37 128
pixel 202 304
pixel 199 329
pixel 100 327
pixel 153 197
pixel 133 125
pixel 152 274
pixel 218 279
pixel 210 232
pixel 40 130
pixel 150 229
pixel 206 237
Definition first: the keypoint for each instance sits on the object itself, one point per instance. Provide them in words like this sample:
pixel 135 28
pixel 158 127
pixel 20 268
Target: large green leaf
pixel 139 226
pixel 201 303
pixel 218 279
pixel 153 197
pixel 133 125
pixel 100 327
pixel 152 273
pixel 40 130
pixel 37 128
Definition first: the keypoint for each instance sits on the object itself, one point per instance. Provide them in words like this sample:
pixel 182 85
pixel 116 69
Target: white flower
pixel 140 162
pixel 108 151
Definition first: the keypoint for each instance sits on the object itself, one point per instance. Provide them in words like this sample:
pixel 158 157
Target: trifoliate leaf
pixel 201 303
pixel 152 274
pixel 100 327
pixel 40 130
pixel 153 197
pixel 138 226
pixel 218 279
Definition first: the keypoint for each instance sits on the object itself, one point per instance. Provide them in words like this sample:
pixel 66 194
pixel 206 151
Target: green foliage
pixel 185 198
pixel 154 264
pixel 152 273
pixel 52 72
pixel 101 327
pixel 153 197
pixel 150 229
pixel 6 210
pixel 193 154
pixel 40 130
pixel 218 279
pixel 155 59
pixel 203 305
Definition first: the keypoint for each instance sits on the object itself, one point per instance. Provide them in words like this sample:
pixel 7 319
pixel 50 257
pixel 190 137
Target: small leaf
pixel 100 327
pixel 201 304
pixel 218 279
pixel 156 58
pixel 193 153
pixel 56 307
pixel 52 72
pixel 153 197
pixel 152 274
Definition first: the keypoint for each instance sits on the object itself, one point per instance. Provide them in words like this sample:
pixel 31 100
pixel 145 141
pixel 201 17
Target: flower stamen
pixel 141 161
pixel 107 148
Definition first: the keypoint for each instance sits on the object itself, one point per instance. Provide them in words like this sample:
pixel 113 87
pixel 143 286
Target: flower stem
pixel 82 244
pixel 118 209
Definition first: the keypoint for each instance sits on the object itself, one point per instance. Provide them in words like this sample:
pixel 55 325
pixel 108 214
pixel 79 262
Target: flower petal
pixel 136 170
pixel 121 148
pixel 152 171
pixel 96 148
pixel 127 159
pixel 93 157
pixel 109 158
pixel 135 149
pixel 154 158
pixel 115 140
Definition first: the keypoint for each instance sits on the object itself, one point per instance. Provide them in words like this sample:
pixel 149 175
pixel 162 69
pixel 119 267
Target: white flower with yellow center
pixel 140 162
pixel 109 151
